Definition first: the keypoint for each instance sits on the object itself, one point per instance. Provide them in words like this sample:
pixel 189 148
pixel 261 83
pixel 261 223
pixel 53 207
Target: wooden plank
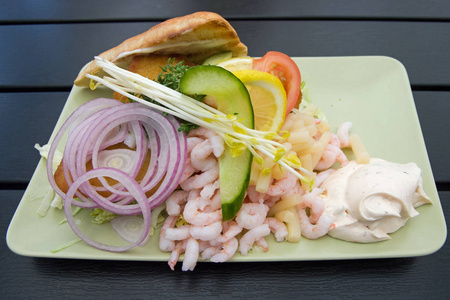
pixel 397 278
pixel 29 118
pixel 51 55
pixel 25 119
pixel 22 11
pixel 433 109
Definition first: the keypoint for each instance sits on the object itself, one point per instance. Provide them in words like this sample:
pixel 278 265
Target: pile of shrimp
pixel 283 206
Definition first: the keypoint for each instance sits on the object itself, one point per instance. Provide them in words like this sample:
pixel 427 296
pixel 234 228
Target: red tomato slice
pixel 283 67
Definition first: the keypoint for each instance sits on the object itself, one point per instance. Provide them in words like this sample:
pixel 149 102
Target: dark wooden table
pixel 43 44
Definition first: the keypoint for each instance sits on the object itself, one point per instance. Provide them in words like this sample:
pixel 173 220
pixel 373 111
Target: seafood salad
pixel 211 156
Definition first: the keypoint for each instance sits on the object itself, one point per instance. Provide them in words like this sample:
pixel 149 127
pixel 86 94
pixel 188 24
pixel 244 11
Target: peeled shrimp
pixel 331 154
pixel 200 156
pixel 179 248
pixel 194 214
pixel 315 203
pixel 164 243
pixel 262 243
pixel 334 140
pixel 200 180
pixel 283 185
pixel 174 202
pixel 278 228
pixel 190 255
pixel 192 141
pixel 216 141
pixel 313 231
pixel 209 189
pixel 206 232
pixel 179 233
pixel 210 252
pixel 251 215
pixel 254 196
pixel 251 236
pixel 232 229
pixel 188 170
pixel 227 251
pixel 343 134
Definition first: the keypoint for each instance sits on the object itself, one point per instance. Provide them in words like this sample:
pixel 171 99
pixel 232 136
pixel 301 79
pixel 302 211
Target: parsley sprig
pixel 170 76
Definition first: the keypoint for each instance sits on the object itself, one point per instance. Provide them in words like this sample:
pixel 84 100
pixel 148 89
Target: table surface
pixel 45 43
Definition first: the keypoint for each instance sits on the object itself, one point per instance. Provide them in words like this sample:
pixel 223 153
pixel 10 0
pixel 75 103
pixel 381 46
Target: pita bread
pixel 196 36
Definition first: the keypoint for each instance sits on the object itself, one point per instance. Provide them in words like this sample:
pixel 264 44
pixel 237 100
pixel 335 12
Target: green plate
pixel 372 92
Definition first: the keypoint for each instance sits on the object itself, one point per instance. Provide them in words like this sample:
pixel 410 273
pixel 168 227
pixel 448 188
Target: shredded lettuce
pixel 101 216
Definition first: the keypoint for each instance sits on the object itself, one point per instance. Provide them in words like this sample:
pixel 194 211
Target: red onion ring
pixel 101 123
pixel 134 189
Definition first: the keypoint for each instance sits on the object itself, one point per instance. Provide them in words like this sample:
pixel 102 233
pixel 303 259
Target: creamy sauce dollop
pixel 369 201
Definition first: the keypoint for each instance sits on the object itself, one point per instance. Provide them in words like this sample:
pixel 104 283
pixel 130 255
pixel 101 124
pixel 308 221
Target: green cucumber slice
pixel 231 98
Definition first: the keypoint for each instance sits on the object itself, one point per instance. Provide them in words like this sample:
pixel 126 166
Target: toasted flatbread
pixel 196 36
pixel 150 66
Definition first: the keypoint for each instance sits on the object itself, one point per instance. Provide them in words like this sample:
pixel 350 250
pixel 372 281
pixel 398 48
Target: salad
pixel 209 160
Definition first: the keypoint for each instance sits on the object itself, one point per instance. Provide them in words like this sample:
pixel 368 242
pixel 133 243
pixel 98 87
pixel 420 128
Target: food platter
pixel 373 92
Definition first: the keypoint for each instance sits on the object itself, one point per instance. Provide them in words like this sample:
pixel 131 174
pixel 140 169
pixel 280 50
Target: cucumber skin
pixel 233 183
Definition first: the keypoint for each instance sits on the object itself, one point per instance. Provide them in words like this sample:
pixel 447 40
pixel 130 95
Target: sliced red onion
pixel 131 185
pixel 101 123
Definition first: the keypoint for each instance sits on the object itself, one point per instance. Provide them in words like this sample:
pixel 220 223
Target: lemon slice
pixel 237 63
pixel 268 98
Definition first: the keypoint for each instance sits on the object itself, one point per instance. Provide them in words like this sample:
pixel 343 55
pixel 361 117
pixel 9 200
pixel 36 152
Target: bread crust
pixel 196 36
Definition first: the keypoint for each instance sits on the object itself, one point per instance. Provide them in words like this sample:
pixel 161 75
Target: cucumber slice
pixel 217 58
pixel 231 98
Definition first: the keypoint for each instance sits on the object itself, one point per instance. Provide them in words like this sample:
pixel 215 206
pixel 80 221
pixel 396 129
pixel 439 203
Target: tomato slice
pixel 283 67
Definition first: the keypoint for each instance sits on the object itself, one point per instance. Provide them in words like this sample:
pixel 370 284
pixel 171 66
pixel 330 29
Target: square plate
pixel 373 92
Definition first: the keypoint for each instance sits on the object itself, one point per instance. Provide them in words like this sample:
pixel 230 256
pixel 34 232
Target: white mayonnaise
pixel 369 201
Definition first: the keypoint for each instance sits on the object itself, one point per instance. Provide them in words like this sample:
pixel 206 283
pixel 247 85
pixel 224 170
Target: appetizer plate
pixel 372 92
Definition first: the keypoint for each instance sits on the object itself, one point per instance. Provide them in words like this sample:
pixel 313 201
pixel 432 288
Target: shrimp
pixel 192 142
pixel 251 215
pixel 227 251
pixel 179 248
pixel 200 156
pixel 200 180
pixel 194 214
pixel 164 243
pixel 232 229
pixel 209 189
pixel 278 228
pixel 188 170
pixel 283 185
pixel 340 156
pixel 274 199
pixel 315 203
pixel 191 254
pixel 216 202
pixel 173 203
pixel 314 231
pixel 326 161
pixel 254 196
pixel 179 233
pixel 334 140
pixel 206 232
pixel 331 154
pixel 263 244
pixel 343 134
pixel 210 252
pixel 251 236
pixel 216 141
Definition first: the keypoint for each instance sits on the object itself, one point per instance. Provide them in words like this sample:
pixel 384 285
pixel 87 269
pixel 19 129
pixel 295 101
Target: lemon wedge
pixel 268 98
pixel 237 63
